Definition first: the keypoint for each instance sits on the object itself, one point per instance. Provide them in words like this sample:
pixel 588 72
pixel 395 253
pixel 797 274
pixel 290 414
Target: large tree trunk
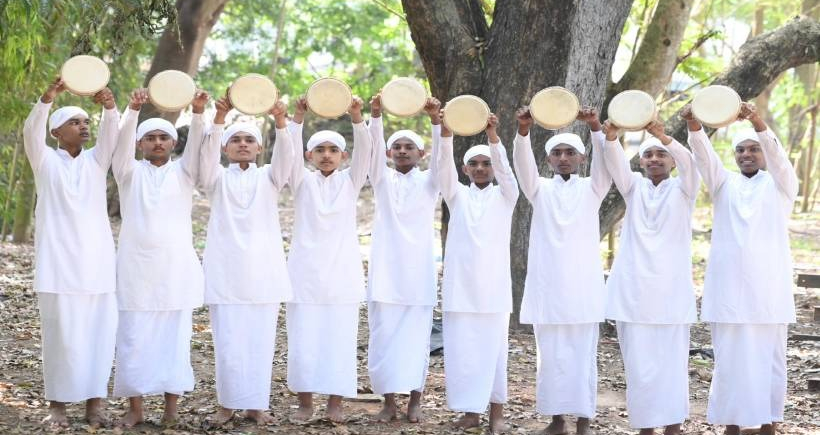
pixel 182 49
pixel 758 62
pixel 531 45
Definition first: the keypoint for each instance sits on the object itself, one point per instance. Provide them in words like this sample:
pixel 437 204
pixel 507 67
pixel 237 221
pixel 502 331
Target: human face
pixel 405 154
pixel 564 159
pixel 156 146
pixel 479 170
pixel 75 132
pixel 657 163
pixel 242 148
pixel 749 157
pixel 326 157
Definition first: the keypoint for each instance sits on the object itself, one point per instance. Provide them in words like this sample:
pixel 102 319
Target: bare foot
pixel 388 413
pixel 468 420
pixel 499 426
pixel 222 416
pixel 732 430
pixel 303 414
pixel 672 429
pixel 414 414
pixel 94 415
pixel 56 416
pixel 558 426
pixel 334 409
pixel 261 418
pixel 582 426
pixel 497 423
pixel 132 418
pixel 170 417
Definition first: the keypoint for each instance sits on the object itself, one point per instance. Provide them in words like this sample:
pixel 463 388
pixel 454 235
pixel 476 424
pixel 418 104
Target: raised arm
pixel 297 172
pixel 777 162
pixel 196 136
pixel 362 145
pixel 433 109
pixel 501 165
pixel 282 158
pixel 109 128
pixel 446 167
pixel 706 159
pixel 210 166
pixel 526 168
pixel 615 159
pixel 684 160
pixel 123 160
pixel 598 173
pixel 35 127
pixel 378 160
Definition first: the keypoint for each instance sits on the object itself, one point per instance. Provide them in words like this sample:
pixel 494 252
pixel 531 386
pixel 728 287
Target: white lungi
pixel 78 335
pixel 322 348
pixel 567 379
pixel 153 353
pixel 656 361
pixel 399 346
pixel 475 359
pixel 749 380
pixel 244 341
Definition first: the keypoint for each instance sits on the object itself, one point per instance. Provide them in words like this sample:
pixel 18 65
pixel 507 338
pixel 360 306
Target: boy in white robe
pixel 325 265
pixel 246 276
pixel 402 277
pixel 159 278
pixel 564 304
pixel 747 294
pixel 477 287
pixel 650 293
pixel 74 256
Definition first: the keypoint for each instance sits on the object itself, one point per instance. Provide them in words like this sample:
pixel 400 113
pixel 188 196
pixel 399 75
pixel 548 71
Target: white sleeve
pixel 189 162
pixel 618 166
pixel 362 150
pixel 525 166
pixel 503 172
pixel 685 162
pixel 123 160
pixel 107 138
pixel 298 169
pixel 34 135
pixel 432 180
pixel 707 160
pixel 209 158
pixel 281 161
pixel 778 165
pixel 598 174
pixel 446 170
pixel 379 159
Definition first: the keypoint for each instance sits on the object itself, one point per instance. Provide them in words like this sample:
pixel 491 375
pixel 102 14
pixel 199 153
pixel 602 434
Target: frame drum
pixel 85 75
pixel 253 94
pixel 632 110
pixel 171 90
pixel 403 97
pixel 466 115
pixel 329 98
pixel 554 107
pixel 716 106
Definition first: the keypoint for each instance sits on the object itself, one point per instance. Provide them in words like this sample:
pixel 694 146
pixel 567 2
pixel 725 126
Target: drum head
pixel 171 90
pixel 404 97
pixel 85 75
pixel 466 115
pixel 632 110
pixel 253 94
pixel 554 107
pixel 716 106
pixel 329 98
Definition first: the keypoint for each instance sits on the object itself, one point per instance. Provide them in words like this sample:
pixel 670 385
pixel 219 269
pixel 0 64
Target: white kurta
pixel 564 229
pixel 244 259
pixel 74 260
pixel 401 282
pixel 747 293
pixel 749 273
pixel 157 267
pixel 477 288
pixel 651 279
pixel 564 305
pixel 327 276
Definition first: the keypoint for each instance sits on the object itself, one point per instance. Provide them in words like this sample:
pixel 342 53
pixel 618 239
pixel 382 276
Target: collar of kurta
pixel 409 173
pixel 155 168
pixel 65 154
pixel 559 179
pixel 475 188
pixel 321 177
pixel 236 167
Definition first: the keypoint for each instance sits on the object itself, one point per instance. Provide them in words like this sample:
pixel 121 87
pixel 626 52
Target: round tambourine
pixel 85 75
pixel 171 90
pixel 554 107
pixel 253 94
pixel 632 110
pixel 716 106
pixel 403 97
pixel 329 98
pixel 466 115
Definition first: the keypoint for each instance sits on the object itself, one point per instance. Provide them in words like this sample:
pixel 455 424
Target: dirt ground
pixel 21 391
